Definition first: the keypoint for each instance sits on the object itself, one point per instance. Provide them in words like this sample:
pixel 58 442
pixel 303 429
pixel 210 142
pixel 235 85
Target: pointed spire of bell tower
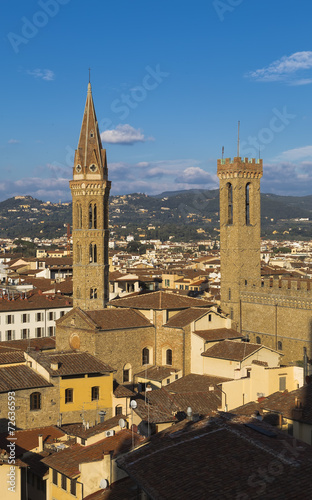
pixel 90 157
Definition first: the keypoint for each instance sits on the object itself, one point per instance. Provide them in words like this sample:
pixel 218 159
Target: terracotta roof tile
pixel 116 319
pixel 186 317
pixel 228 349
pixel 124 489
pixel 42 343
pixel 218 334
pixel 79 430
pixel 195 383
pixel 221 459
pixel 67 461
pixel 157 373
pixel 35 301
pixel 159 300
pixel 121 391
pixel 70 363
pixel 13 378
pixel 27 440
pixel 7 358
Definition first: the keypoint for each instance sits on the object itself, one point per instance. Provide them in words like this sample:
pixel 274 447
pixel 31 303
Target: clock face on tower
pixel 78 169
pixel 93 167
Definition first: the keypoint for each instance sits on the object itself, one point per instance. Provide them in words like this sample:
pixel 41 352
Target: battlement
pixel 239 167
pixel 296 293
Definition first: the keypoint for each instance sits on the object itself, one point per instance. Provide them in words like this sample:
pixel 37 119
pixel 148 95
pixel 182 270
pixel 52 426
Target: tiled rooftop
pixel 186 317
pixel 218 334
pixel 79 430
pixel 70 363
pixel 160 300
pixel 116 319
pixel 221 459
pixel 231 350
pixel 35 300
pixel 42 343
pixel 13 378
pixel 157 373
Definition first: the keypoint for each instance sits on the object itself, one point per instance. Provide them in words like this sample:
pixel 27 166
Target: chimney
pixel 40 443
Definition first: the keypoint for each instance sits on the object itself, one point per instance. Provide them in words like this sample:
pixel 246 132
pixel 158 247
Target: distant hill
pixel 177 214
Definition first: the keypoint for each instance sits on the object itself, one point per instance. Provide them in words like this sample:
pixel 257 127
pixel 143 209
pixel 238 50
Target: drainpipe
pixel 276 326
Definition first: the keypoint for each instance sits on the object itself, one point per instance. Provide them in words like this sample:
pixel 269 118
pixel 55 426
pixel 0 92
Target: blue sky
pixel 170 81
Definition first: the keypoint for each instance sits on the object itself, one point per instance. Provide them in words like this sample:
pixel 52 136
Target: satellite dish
pixel 122 423
pixel 133 404
pixel 103 484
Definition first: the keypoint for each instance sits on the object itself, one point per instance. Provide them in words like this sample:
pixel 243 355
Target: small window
pixel 230 294
pixel 118 410
pixel 54 476
pixel 10 319
pixel 39 332
pixel 69 395
pixel 279 345
pixel 168 381
pixel 35 401
pixel 282 383
pixel 25 318
pixel 93 293
pixel 73 488
pixel 176 377
pixel 230 203
pixel 25 333
pixel 95 393
pixel 127 373
pixel 169 357
pixel 209 317
pixel 92 253
pixel 39 316
pixel 247 207
pixel 51 316
pixel 64 482
pixel 145 356
pixel 258 340
pixel 62 313
pixel 10 335
pixel 51 331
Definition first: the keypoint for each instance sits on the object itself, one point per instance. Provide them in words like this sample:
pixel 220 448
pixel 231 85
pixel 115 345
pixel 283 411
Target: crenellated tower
pixel 90 192
pixel 239 230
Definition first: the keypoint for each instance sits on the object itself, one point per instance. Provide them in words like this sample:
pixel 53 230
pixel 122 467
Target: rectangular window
pixel 69 395
pixel 73 487
pixel 282 383
pixel 126 376
pixel 10 335
pixel 25 318
pixel 39 316
pixel 95 393
pixel 118 410
pixel 64 482
pixel 186 287
pixel 25 333
pixel 9 319
pixel 54 476
pixel 39 332
pixel 51 330
pixel 167 282
pixel 62 313
pixel 168 381
pixel 209 317
pixel 51 316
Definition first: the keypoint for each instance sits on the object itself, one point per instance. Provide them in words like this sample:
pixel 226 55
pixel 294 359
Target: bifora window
pixel 79 216
pixel 92 253
pixel 92 216
pixel 93 293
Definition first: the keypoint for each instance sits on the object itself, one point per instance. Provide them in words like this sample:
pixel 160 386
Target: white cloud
pixel 287 178
pixel 13 141
pixel 284 69
pixel 124 134
pixel 44 74
pixel 195 175
pixel 295 154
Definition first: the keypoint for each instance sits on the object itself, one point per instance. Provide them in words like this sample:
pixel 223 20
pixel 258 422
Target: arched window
pixel 127 373
pixel 229 294
pixel 35 401
pixel 92 216
pixel 145 356
pixel 79 215
pixel 258 340
pixel 229 203
pixel 69 395
pixel 168 357
pixel 93 293
pixel 79 253
pixel 92 253
pixel 247 207
pixel 279 345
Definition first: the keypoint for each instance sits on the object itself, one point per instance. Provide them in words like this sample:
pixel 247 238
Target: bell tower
pixel 239 229
pixel 90 192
